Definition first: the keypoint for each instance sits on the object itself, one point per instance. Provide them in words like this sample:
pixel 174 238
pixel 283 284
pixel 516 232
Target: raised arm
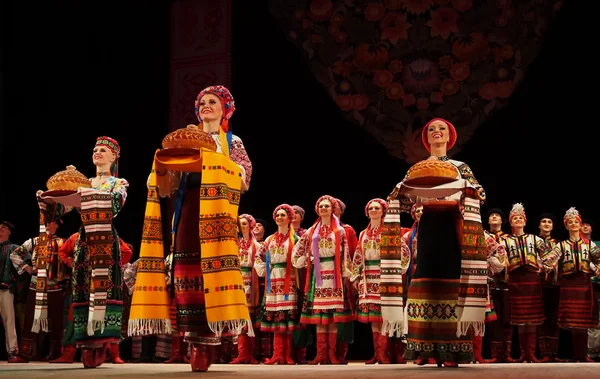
pixel 238 154
pixel 260 258
pixel 301 251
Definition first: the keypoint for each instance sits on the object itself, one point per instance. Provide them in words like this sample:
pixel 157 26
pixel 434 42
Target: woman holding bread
pixel 446 299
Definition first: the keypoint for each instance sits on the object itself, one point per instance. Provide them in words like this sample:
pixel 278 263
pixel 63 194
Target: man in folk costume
pixel 575 260
pixel 497 261
pixel 496 219
pixel 297 220
pixel 7 286
pixel 207 279
pixel 301 337
pixel 450 275
pixel 396 346
pixel 346 329
pixel 323 250
pixel 593 333
pixel 499 331
pixel 248 248
pixel 525 252
pixel 366 276
pixel 273 262
pixel 549 332
pixel 50 278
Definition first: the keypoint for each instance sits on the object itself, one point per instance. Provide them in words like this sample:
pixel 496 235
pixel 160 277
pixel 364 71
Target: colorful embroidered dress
pixel 366 268
pixel 271 263
pixel 97 301
pixel 247 251
pixel 324 251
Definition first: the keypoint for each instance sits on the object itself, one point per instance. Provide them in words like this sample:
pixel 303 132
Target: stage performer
pixel 205 255
pixel 497 261
pixel 346 329
pixel 323 250
pixel 573 259
pixel 97 303
pixel 451 265
pixel 549 332
pixel 525 252
pixel 366 275
pixel 301 337
pixel 496 218
pixel 7 287
pixel 248 248
pixel 53 277
pixel 280 303
pixel 396 346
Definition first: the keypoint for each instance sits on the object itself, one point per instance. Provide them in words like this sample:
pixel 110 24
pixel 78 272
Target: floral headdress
pixel 227 106
pixel 383 203
pixel 332 200
pixel 287 208
pixel 517 210
pixel 251 220
pixel 571 213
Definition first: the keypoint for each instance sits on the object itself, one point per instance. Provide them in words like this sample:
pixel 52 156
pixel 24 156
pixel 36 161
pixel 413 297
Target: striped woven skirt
pixel 433 292
pixel 525 290
pixel 187 273
pixel 577 306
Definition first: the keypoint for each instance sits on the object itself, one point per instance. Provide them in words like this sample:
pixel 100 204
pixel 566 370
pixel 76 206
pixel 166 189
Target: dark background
pixel 71 73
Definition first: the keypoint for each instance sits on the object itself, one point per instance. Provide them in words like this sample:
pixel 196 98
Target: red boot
pixel 321 357
pixel 289 349
pixel 176 353
pixel 381 352
pixel 100 353
pixel 244 350
pixel 531 345
pixel 477 347
pixel 114 354
pixel 67 356
pixel 88 357
pixel 398 350
pixel 201 357
pixel 373 360
pixel 301 356
pixel 332 348
pixel 341 352
pixel 279 343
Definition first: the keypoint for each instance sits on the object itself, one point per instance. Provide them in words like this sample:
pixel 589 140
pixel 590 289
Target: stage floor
pixel 353 370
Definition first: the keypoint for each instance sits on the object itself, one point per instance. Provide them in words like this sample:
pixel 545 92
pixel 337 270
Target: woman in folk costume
pixel 273 262
pixel 346 329
pixel 396 346
pixel 45 306
pixel 248 247
pixel 324 252
pixel 450 277
pixel 574 259
pixel 365 278
pixel 525 252
pixel 97 302
pixel 207 280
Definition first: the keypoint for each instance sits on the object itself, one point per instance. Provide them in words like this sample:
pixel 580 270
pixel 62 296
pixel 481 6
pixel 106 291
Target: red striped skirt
pixel 525 293
pixel 577 306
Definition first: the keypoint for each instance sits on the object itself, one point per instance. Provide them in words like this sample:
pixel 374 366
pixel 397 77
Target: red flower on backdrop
pixel 392 65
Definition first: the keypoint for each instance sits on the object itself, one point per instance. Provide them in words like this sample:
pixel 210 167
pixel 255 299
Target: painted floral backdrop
pixel 392 65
